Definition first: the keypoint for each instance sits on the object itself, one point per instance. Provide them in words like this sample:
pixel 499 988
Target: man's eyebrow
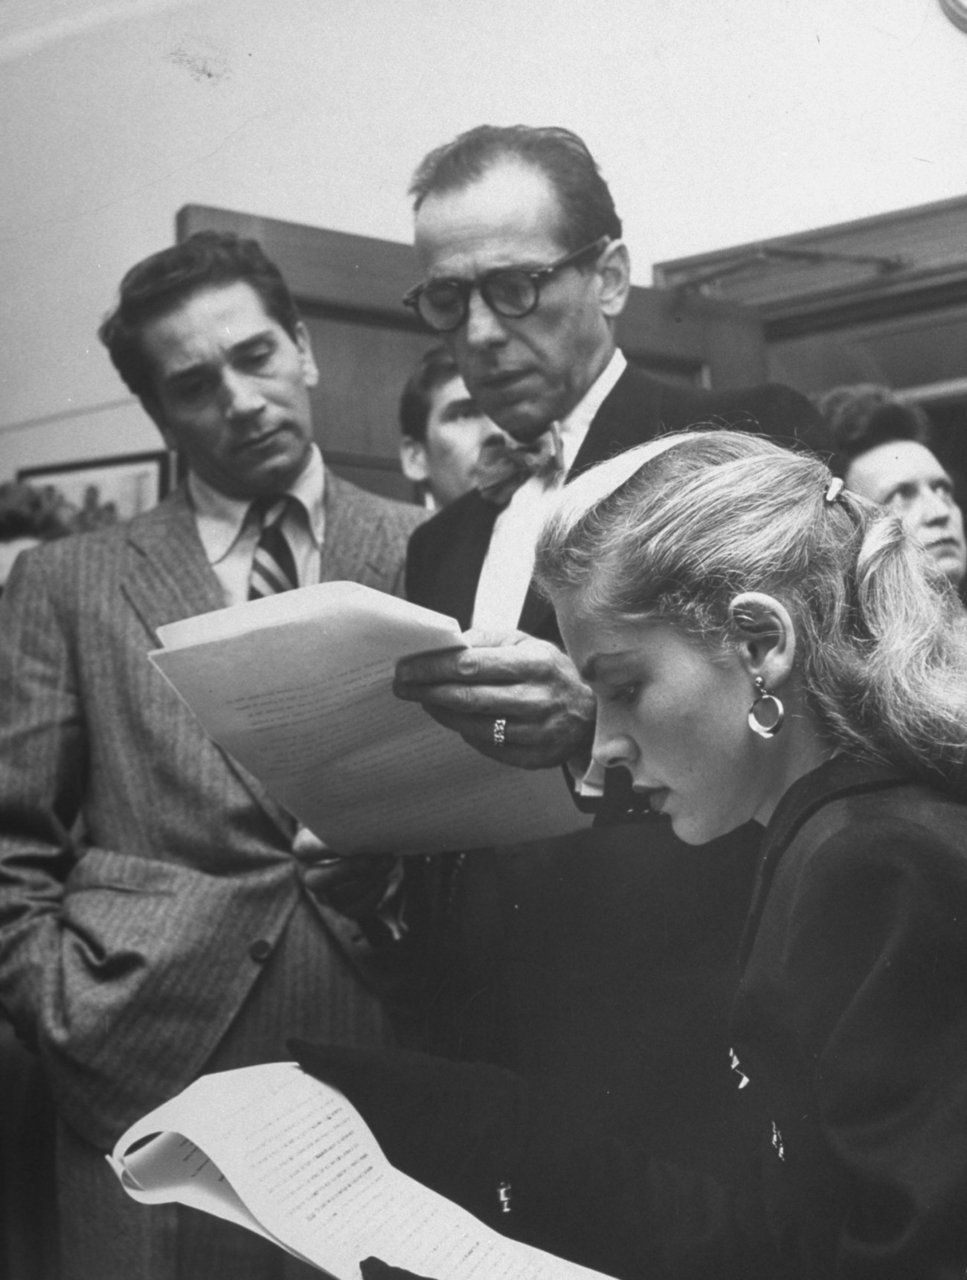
pixel 253 340
pixel 199 366
pixel 188 371
pixel 466 408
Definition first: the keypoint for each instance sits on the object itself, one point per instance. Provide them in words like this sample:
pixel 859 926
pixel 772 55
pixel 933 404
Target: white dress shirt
pixel 509 563
pixel 229 534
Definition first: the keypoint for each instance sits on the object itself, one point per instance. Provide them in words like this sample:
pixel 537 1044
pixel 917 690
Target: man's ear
pixel 413 460
pixel 614 272
pixel 764 636
pixel 310 370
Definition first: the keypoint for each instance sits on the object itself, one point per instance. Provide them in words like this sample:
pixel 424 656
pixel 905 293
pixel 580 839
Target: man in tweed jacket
pixel 160 915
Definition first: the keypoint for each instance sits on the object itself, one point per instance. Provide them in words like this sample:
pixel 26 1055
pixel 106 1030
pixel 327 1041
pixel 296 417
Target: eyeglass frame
pixel 536 275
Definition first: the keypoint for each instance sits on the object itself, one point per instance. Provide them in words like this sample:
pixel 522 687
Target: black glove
pixel 377 1269
pixel 453 1126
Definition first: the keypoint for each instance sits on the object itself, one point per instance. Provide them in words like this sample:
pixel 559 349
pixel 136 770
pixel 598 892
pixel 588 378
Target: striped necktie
pixel 273 565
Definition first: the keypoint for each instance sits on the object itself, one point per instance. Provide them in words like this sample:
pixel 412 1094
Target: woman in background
pixel 885 450
pixel 764 645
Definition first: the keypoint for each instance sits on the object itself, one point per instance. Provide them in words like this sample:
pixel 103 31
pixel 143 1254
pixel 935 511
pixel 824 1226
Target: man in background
pixel 885 452
pixel 601 966
pixel 191 926
pixel 442 430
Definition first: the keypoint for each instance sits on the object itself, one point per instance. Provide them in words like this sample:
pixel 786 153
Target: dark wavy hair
pixel 587 209
pixel 865 415
pixel 435 367
pixel 160 283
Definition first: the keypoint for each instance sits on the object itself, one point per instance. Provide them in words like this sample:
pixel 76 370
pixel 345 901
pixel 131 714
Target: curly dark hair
pixel 435 367
pixel 865 415
pixel 161 282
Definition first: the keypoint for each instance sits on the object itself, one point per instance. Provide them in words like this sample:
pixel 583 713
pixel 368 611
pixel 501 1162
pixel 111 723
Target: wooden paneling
pixel 904 351
pixel 691 339
pixel 879 258
pixel 344 272
pixel 880 300
pixel 362 369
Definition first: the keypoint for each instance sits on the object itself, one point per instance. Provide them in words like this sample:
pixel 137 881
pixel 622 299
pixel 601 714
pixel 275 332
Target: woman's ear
pixel 764 636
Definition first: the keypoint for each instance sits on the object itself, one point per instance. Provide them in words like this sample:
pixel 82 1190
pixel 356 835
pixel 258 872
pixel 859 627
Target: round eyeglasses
pixel 512 292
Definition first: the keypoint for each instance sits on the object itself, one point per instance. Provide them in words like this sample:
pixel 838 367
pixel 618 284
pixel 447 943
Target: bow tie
pixel 503 465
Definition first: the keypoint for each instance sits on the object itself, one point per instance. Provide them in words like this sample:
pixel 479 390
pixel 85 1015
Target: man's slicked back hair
pixel 160 283
pixel 587 209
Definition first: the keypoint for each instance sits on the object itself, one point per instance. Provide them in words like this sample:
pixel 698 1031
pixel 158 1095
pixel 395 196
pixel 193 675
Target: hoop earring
pixel 762 694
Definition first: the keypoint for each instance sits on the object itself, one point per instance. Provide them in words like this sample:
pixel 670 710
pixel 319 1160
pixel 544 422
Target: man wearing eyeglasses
pixel 601 966
pixel 525 275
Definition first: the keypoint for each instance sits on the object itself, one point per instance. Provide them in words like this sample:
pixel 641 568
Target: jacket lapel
pixel 628 416
pixel 350 536
pixel 443 571
pixel 168 579
pixel 169 576
pixel 471 540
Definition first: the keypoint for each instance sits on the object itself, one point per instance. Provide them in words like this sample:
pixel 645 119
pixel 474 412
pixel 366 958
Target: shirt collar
pixel 574 427
pixel 221 519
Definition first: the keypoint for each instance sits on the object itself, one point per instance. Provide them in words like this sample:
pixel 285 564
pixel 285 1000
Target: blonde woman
pixel 764 645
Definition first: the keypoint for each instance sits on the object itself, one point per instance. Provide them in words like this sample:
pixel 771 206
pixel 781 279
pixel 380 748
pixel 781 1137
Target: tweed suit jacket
pixel 124 957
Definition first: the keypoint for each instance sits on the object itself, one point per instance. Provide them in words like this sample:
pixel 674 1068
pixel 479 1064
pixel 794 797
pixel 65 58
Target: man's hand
pixel 377 1269
pixel 510 676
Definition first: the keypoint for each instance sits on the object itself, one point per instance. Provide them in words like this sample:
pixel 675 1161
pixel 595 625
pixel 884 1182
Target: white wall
pixel 715 124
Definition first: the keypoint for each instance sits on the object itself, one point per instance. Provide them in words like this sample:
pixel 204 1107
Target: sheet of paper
pixel 298 688
pixel 300 1163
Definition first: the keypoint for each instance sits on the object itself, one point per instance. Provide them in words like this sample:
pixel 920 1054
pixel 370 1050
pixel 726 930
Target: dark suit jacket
pixel 850 1027
pixel 126 959
pixel 447 553
pixel 850 1035
pixel 851 1020
pixel 601 966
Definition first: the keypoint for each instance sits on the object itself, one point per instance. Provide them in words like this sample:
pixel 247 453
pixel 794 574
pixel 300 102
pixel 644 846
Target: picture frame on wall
pixel 104 490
